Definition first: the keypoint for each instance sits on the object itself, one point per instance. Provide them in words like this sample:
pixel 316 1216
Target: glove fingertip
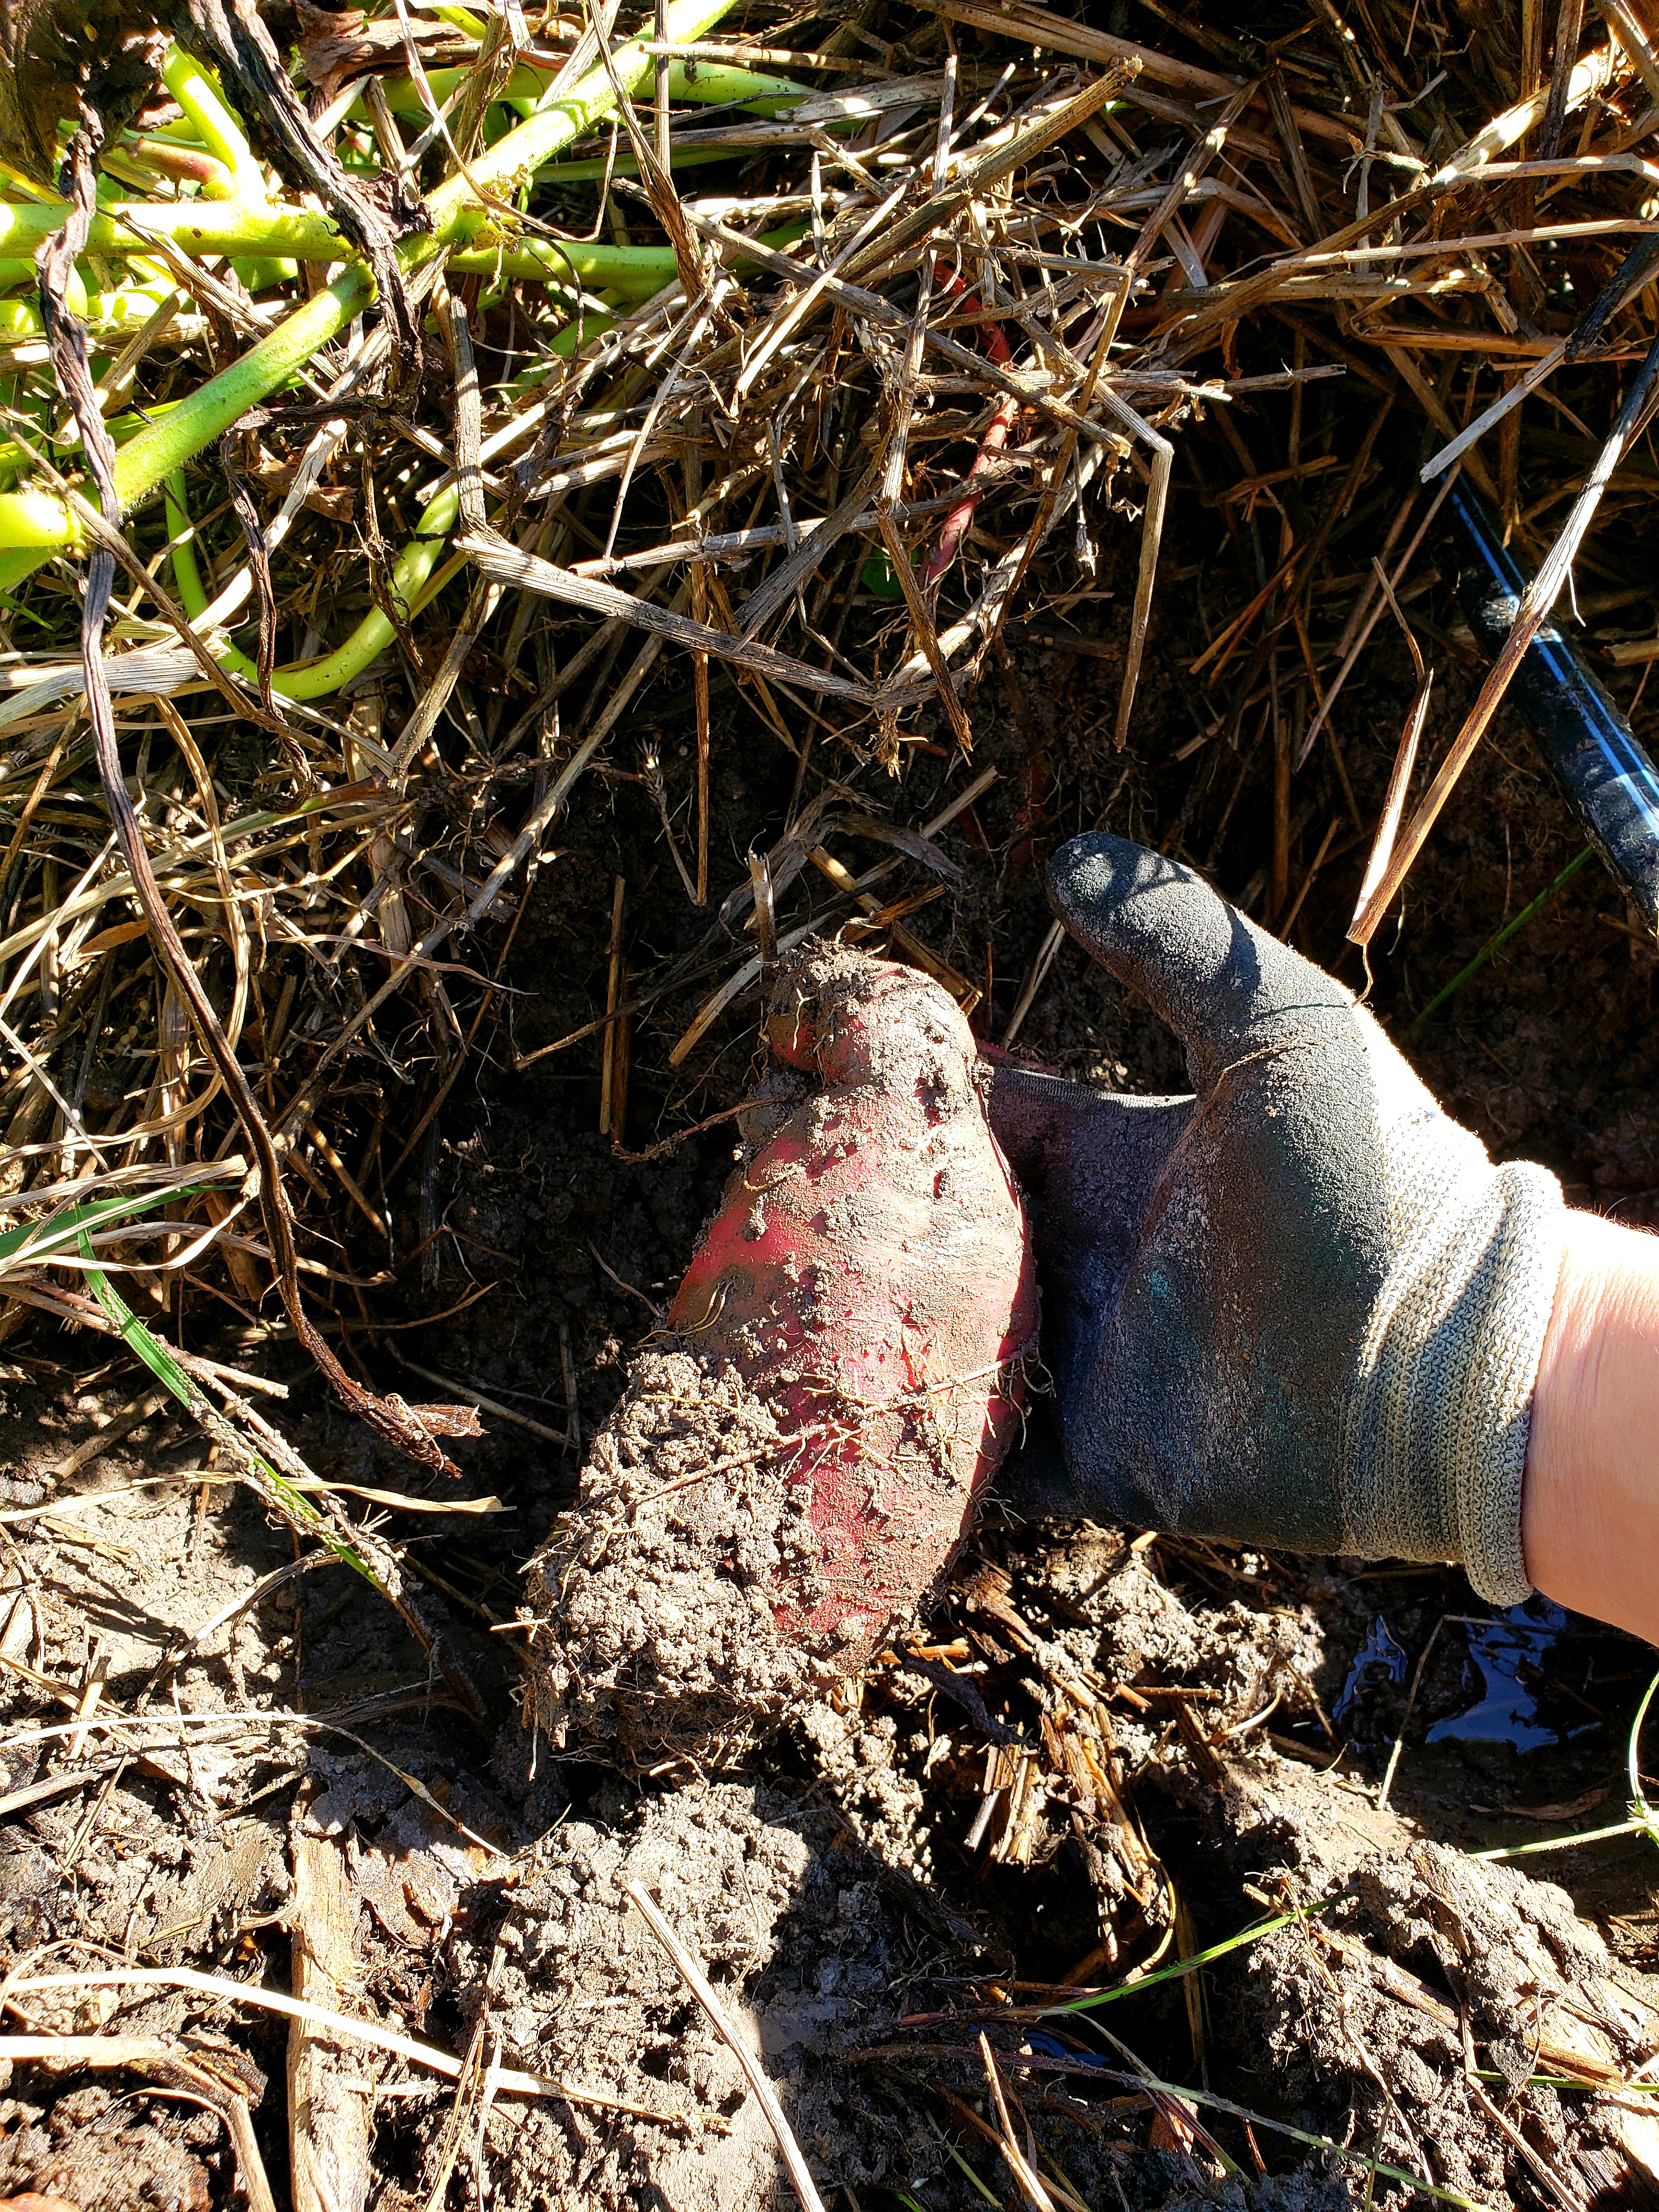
pixel 1091 876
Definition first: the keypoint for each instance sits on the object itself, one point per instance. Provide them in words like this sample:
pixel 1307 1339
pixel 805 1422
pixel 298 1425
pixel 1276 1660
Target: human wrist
pixel 1589 1514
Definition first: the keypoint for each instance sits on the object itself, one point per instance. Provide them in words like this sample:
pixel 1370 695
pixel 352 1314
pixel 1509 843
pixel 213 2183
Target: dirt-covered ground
pixel 1098 1752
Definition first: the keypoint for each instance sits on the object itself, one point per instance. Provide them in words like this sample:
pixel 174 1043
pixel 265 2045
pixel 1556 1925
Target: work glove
pixel 1299 1309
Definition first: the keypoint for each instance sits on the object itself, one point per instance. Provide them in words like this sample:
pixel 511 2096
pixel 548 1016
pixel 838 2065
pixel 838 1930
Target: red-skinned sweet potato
pixel 797 1459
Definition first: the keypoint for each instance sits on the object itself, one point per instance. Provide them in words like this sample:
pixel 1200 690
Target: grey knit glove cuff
pixel 1433 1440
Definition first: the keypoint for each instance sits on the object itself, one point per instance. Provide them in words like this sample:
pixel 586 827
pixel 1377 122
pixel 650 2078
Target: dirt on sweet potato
pixel 797 1460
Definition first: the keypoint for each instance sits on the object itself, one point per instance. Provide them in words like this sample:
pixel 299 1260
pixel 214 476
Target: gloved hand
pixel 1300 1309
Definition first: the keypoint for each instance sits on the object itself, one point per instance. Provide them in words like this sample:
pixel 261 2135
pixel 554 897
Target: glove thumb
pixel 1223 985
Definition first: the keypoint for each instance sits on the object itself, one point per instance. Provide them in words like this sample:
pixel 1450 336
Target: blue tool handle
pixel 1609 780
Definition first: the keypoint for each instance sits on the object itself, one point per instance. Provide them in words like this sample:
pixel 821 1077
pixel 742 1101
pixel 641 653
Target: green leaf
pixel 33 1240
pixel 162 1364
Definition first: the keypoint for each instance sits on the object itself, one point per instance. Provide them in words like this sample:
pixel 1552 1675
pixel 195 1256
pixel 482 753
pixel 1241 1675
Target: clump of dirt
pixel 812 1944
pixel 93 2151
pixel 1367 2015
pixel 654 1603
pixel 794 1469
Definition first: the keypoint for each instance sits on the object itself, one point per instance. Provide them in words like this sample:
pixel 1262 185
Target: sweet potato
pixel 797 1457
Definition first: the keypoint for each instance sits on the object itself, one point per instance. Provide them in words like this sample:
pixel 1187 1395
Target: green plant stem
pixel 217 128
pixel 594 169
pixel 201 227
pixel 37 524
pixel 1497 944
pixel 413 581
pixel 98 311
pixel 713 84
pixel 316 679
pixel 24 272
pixel 1561 1843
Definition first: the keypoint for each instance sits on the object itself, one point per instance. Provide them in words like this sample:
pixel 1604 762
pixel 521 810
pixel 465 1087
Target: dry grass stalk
pixel 508 2081
pixel 696 1981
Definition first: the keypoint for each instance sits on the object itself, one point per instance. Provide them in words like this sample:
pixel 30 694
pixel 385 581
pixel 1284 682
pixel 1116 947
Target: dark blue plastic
pixel 1597 758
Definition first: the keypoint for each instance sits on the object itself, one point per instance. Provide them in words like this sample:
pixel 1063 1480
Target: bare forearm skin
pixel 1589 1513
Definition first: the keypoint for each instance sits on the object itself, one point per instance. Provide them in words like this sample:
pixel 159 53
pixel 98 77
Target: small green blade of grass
pixel 1253 1934
pixel 1644 1819
pixel 36 1240
pixel 1497 944
pixel 158 1357
pixel 1374 2165
pixel 957 2159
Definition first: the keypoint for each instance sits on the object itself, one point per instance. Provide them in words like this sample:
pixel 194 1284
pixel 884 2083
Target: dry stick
pixel 1032 392
pixel 654 175
pixel 921 624
pixel 892 481
pixel 697 1982
pixel 988 609
pixel 776 590
pixel 1062 34
pixel 505 562
pixel 660 399
pixel 613 995
pixel 1151 538
pixel 1546 365
pixel 421 724
pixel 1633 275
pixel 1622 21
pixel 794 312
pixel 67 340
pixel 998 162
pixel 1162 452
pixel 742 977
pixel 1585 79
pixel 328 2118
pixel 1364 629
pixel 1537 602
pixel 921 955
pixel 1031 2188
pixel 660 100
pixel 693 468
pixel 469 409
pixel 1569 22
pixel 1034 980
pixel 1367 913
pixel 85 2048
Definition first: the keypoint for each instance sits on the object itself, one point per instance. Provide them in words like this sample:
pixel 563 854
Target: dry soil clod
pixel 797 1457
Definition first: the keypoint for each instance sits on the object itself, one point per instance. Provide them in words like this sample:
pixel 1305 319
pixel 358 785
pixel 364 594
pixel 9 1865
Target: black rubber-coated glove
pixel 1300 1309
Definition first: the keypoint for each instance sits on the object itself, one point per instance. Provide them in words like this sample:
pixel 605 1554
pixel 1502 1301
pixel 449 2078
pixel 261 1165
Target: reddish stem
pixel 1003 418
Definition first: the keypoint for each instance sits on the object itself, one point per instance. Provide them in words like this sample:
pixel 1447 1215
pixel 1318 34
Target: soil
pixel 1093 1753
